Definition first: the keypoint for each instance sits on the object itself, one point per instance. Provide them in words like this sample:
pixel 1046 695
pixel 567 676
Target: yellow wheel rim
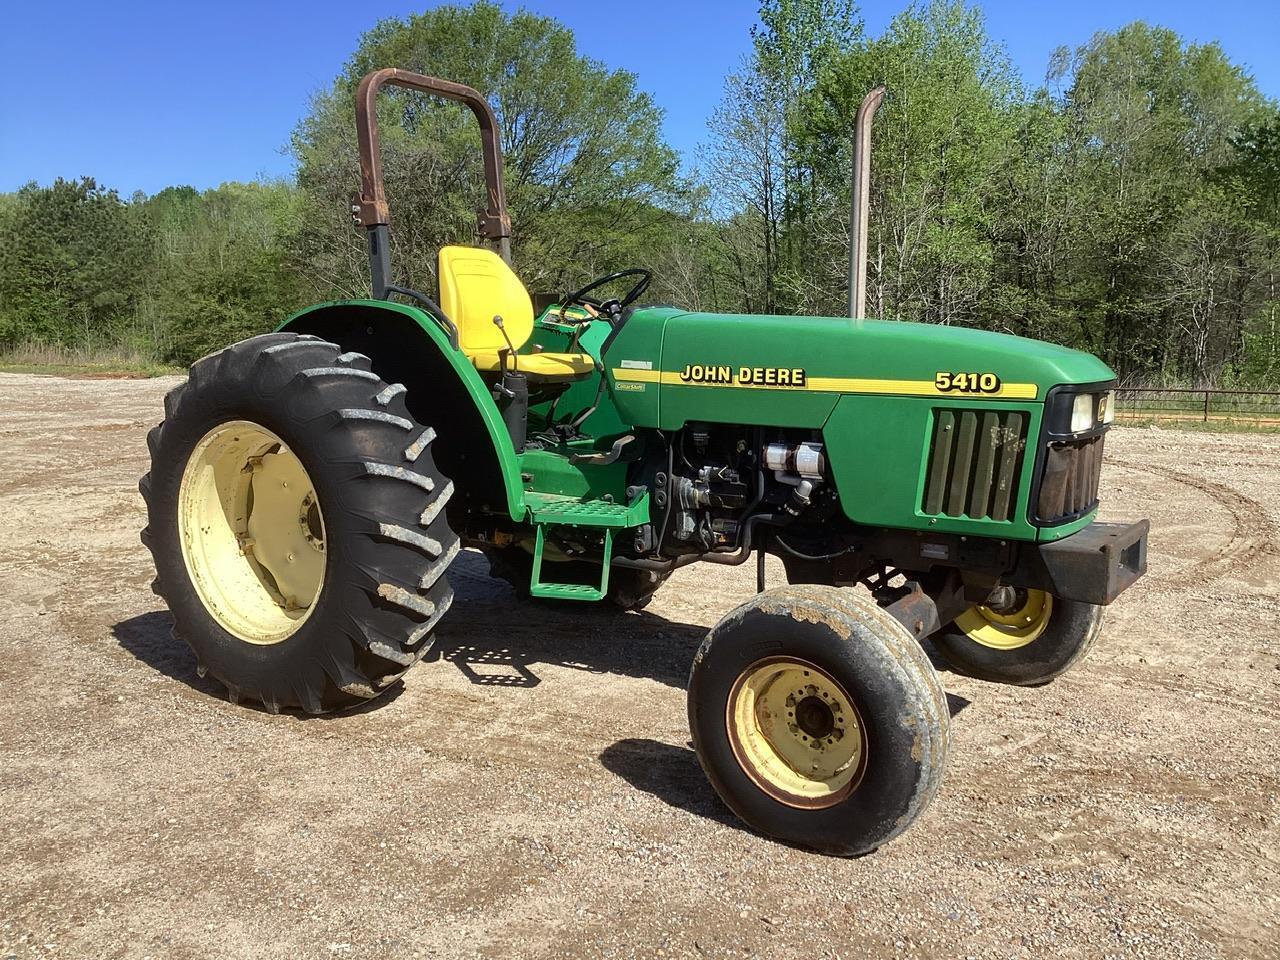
pixel 796 733
pixel 1012 627
pixel 252 533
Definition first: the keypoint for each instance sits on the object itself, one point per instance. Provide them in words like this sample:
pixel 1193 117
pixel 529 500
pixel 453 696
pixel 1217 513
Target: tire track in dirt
pixel 1253 535
pixel 1127 679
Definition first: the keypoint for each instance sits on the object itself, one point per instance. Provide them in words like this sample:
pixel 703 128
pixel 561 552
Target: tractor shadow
pixel 674 776
pixel 490 636
pixel 494 639
pixel 670 773
pixel 955 702
pixel 149 638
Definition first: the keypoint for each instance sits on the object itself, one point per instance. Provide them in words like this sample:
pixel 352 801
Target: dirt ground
pixel 532 793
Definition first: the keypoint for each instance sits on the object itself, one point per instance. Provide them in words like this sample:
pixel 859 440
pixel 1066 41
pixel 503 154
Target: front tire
pixel 818 719
pixel 1034 639
pixel 296 519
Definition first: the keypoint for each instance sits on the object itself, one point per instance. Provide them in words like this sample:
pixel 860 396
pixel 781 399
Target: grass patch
pixel 53 360
pixel 1218 424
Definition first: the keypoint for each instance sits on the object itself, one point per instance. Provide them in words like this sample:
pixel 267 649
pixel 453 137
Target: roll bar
pixel 369 207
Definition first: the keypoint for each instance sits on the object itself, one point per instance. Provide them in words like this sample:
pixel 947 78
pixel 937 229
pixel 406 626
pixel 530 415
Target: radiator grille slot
pixel 1069 483
pixel 974 463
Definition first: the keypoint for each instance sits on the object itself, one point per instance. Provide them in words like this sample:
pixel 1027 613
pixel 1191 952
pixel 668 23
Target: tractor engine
pixel 722 475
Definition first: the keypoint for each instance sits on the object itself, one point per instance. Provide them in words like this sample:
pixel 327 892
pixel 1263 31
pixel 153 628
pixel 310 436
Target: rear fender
pixel 405 345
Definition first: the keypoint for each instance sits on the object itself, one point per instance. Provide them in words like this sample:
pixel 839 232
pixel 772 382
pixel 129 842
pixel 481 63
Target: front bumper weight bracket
pixel 1095 565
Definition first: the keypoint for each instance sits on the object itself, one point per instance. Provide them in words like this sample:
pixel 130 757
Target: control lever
pixel 600 459
pixel 511 351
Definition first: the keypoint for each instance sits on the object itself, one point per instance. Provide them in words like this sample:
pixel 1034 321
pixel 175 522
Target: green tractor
pixel 310 488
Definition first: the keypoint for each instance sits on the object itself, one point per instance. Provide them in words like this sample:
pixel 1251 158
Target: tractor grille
pixel 1069 482
pixel 974 463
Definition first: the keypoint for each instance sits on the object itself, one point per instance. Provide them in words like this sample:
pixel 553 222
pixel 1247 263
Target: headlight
pixel 1107 407
pixel 1082 413
pixel 1074 409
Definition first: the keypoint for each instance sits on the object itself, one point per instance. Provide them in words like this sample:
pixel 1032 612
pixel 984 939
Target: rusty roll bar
pixel 860 203
pixel 369 209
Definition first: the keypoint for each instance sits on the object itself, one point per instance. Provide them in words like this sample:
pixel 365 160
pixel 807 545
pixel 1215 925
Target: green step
pixel 569 591
pixel 554 510
pixel 558 510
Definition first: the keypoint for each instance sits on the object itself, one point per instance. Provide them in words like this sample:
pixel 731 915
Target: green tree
pixel 590 181
pixel 220 270
pixel 1150 120
pixel 1131 206
pixel 796 44
pixel 1036 207
pixel 72 264
pixel 1252 180
pixel 938 144
pixel 744 164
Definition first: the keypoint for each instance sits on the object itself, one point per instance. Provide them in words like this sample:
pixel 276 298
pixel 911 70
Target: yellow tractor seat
pixel 541 366
pixel 476 285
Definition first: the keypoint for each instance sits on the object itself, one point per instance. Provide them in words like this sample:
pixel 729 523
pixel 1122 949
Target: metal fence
pixel 1243 407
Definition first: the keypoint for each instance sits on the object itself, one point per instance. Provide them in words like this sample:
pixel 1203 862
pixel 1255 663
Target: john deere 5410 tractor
pixel 310 488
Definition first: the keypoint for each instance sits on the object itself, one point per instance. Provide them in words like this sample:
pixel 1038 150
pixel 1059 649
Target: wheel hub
pixel 795 731
pixel 278 528
pixel 815 717
pixel 1018 619
pixel 252 532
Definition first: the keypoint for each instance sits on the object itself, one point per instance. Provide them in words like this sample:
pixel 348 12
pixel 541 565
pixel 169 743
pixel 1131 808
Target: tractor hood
pixel 880 350
pixel 791 370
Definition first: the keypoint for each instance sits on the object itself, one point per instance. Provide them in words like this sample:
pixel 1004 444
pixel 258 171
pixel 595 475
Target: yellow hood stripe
pixel 909 388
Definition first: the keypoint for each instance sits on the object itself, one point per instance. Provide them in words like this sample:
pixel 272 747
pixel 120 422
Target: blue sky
pixel 93 88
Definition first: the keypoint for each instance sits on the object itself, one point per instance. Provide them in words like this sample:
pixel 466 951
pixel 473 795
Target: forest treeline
pixel 1129 206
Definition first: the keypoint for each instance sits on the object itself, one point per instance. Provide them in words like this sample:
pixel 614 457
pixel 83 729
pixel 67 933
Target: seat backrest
pixel 476 285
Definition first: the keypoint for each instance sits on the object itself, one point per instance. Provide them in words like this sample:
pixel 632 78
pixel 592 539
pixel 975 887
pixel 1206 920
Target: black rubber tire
pixel 1073 626
pixel 629 589
pixel 902 706
pixel 389 542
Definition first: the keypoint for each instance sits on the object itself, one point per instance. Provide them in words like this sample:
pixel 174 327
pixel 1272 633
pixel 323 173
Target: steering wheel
pixel 612 308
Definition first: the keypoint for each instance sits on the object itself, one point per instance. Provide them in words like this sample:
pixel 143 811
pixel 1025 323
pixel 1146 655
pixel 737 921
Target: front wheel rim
pixel 252 532
pixel 796 733
pixel 1008 628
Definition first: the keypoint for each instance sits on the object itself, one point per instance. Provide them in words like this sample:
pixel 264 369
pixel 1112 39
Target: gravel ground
pixel 532 793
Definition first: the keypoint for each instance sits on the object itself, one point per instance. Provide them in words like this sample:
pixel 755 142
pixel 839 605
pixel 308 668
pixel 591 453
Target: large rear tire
pixel 818 719
pixel 296 519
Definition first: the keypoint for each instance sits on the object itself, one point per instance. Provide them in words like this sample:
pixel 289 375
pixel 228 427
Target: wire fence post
pixel 1206 406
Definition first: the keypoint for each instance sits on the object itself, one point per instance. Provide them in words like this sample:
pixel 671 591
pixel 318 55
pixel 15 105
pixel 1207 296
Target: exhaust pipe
pixel 860 202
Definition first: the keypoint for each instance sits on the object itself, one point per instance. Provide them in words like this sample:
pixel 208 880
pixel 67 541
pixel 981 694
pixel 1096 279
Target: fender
pixel 406 345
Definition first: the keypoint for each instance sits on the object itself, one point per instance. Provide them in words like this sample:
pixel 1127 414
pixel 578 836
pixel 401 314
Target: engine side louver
pixel 974 463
